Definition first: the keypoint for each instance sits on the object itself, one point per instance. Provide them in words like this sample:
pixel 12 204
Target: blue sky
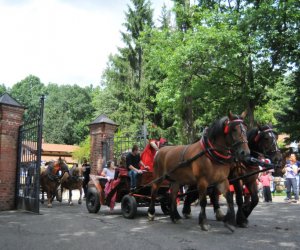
pixel 60 41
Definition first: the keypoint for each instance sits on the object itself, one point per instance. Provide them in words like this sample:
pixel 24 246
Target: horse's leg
pixel 70 197
pixel 49 198
pixel 247 208
pixel 202 219
pixel 191 196
pixel 241 220
pixel 174 212
pixel 202 215
pixel 43 196
pixel 80 195
pixel 214 198
pixel 151 209
pixel 229 219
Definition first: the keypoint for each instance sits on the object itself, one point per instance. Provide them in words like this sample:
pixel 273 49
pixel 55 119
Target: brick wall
pixel 99 134
pixel 10 121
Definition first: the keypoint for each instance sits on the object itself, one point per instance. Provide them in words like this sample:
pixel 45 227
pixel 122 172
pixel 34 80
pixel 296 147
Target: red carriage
pixel 119 191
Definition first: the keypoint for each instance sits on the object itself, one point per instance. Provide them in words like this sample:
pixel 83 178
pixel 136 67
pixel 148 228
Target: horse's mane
pixel 251 134
pixel 216 128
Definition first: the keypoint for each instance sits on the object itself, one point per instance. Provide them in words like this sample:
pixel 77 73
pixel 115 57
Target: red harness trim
pixel 226 157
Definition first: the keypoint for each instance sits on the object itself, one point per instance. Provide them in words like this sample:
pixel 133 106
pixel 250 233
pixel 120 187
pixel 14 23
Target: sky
pixel 61 41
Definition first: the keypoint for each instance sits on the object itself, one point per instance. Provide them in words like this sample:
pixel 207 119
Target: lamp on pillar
pixel 102 131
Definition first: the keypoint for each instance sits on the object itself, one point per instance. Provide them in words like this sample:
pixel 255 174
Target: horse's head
pixel 235 134
pixel 76 171
pixel 62 165
pixel 263 140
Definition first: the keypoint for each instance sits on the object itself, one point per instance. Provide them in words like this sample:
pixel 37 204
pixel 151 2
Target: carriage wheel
pixel 92 201
pixel 128 206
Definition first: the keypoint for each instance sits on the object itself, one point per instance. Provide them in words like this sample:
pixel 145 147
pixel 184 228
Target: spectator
pixel 266 179
pixel 86 169
pixel 292 168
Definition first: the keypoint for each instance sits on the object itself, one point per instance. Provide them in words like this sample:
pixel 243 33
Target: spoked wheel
pixel 92 200
pixel 128 206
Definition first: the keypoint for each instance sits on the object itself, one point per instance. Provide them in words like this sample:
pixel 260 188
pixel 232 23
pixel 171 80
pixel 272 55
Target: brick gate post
pixel 102 129
pixel 11 117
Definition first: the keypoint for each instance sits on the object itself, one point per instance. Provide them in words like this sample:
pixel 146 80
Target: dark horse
pixel 50 179
pixel 202 164
pixel 262 142
pixel 72 181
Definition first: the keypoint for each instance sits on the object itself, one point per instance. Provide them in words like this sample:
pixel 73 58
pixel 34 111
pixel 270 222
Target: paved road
pixel 272 226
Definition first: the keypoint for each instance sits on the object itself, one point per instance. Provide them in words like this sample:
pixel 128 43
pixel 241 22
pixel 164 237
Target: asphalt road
pixel 272 226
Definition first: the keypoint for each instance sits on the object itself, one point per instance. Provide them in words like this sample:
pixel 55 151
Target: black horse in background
pixel 262 142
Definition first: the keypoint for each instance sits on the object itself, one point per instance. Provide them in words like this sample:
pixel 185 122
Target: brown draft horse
pixel 262 142
pixel 72 181
pixel 202 164
pixel 50 179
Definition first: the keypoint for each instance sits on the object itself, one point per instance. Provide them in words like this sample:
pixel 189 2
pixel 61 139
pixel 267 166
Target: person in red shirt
pixel 266 179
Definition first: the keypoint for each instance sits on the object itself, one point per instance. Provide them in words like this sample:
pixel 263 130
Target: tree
pixel 28 93
pixel 2 89
pixel 68 111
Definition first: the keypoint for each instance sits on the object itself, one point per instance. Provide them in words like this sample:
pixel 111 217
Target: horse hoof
pixel 230 227
pixel 243 225
pixel 205 227
pixel 176 221
pixel 49 205
pixel 79 202
pixel 71 203
pixel 219 215
pixel 151 217
pixel 187 216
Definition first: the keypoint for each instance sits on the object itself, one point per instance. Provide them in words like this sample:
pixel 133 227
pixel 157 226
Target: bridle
pixel 273 148
pixel 229 124
pixel 220 153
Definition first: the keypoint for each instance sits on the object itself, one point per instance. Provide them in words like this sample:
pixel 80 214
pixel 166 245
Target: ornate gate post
pixel 102 131
pixel 11 117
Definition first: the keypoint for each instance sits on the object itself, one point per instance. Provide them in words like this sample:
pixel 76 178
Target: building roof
pixel 8 100
pixel 103 119
pixel 48 147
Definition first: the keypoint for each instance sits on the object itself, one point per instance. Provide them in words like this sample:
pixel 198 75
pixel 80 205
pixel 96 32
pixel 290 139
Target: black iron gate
pixel 29 162
pixel 123 144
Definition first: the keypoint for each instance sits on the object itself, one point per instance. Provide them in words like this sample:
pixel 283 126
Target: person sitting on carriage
pixel 109 171
pixel 133 162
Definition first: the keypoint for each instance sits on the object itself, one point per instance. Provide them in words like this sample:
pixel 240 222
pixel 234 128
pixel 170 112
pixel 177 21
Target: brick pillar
pixel 102 129
pixel 11 117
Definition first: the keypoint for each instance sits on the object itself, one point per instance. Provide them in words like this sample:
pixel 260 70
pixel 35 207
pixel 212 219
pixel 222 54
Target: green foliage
pixel 84 150
pixel 68 111
pixel 2 89
pixel 28 93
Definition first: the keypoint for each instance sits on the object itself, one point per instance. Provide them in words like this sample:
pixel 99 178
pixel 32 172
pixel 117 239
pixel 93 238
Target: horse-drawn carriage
pixel 120 192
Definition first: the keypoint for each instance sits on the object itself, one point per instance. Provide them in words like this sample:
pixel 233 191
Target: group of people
pixel 136 164
pixel 291 175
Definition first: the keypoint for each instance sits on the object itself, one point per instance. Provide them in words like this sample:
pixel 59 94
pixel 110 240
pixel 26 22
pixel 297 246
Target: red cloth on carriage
pixel 110 187
pixel 147 156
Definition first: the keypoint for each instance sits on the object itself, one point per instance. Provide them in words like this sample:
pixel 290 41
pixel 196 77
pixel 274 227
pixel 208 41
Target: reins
pixel 269 166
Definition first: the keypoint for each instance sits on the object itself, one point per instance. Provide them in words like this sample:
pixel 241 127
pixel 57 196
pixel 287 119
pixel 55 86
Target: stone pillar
pixel 11 117
pixel 102 131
